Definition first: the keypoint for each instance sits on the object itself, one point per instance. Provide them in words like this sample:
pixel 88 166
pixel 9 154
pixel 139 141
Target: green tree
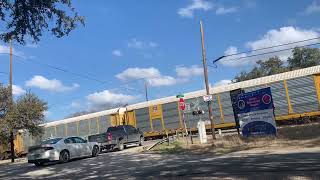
pixel 301 58
pixel 28 19
pixel 263 68
pixel 304 57
pixel 26 113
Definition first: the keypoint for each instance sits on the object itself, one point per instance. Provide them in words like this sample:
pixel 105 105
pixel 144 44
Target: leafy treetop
pixel 301 58
pixel 27 19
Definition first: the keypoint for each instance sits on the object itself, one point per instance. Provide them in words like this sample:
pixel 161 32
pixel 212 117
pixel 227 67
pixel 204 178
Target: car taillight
pixel 48 148
pixel 109 136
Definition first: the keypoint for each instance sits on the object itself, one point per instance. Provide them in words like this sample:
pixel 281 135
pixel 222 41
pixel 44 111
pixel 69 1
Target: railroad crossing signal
pixel 197 112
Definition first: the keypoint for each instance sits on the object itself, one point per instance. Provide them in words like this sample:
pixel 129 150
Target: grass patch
pixel 287 137
pixel 174 147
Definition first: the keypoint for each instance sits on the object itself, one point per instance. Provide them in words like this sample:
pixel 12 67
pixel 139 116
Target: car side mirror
pixel 85 141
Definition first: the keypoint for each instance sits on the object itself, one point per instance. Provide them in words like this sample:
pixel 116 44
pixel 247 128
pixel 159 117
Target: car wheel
pixel 141 141
pixel 64 156
pixel 101 150
pixel 95 151
pixel 38 164
pixel 120 145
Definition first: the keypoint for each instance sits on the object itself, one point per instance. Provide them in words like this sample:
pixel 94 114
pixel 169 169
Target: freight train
pixel 296 94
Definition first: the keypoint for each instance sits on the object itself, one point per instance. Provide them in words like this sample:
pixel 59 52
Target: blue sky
pixel 125 43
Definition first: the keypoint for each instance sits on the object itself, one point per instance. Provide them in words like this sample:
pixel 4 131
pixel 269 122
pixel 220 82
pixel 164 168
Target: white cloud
pixel 222 82
pixel 188 11
pixel 281 36
pixel 312 8
pixel 108 97
pixel 154 77
pixel 137 44
pixel 186 72
pixel 228 61
pixel 138 73
pixel 223 10
pixel 151 75
pixel 161 81
pixel 17 90
pixel 50 85
pixel 273 37
pixel 117 52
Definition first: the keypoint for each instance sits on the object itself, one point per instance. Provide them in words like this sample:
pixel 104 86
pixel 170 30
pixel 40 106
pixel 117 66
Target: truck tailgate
pixel 100 138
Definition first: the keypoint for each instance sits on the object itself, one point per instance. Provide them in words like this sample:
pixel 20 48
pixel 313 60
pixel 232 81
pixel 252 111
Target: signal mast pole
pixel 11 104
pixel 205 72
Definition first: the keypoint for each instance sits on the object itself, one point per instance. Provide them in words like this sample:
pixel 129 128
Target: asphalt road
pixel 131 165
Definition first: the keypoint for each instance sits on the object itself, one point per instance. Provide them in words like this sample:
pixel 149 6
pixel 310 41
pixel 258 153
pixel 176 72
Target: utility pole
pixel 146 89
pixel 11 104
pixel 205 71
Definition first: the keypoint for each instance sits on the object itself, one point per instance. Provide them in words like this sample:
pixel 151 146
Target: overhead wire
pixel 84 76
pixel 81 75
pixel 88 77
pixel 271 52
pixel 269 47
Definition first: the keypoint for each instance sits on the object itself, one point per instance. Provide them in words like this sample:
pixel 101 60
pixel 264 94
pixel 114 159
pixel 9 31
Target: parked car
pixel 62 150
pixel 118 137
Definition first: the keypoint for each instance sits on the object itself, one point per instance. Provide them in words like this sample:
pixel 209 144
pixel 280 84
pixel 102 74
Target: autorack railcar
pixel 295 93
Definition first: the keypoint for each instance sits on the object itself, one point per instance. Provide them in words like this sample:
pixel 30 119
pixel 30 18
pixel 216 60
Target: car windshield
pixel 51 141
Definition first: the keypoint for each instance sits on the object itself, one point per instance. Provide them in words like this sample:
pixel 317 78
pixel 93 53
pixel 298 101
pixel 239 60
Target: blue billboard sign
pixel 255 112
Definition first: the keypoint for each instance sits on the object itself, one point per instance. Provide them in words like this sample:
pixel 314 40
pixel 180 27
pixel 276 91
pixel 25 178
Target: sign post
pixel 256 113
pixel 234 96
pixel 182 106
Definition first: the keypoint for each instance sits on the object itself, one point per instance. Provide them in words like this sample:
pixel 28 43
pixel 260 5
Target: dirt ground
pixel 293 154
pixel 290 138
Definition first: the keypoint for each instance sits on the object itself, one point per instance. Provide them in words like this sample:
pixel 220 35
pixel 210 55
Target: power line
pixel 68 71
pixel 269 47
pixel 84 76
pixel 271 52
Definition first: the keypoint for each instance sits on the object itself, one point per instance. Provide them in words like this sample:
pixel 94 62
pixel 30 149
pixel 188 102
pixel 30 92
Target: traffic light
pixel 197 112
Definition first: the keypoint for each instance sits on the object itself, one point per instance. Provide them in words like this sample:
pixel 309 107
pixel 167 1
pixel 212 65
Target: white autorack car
pixel 62 150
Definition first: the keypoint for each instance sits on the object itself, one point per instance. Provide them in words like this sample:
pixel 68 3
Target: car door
pixel 87 149
pixel 136 134
pixel 132 137
pixel 71 146
pixel 83 147
pixel 77 147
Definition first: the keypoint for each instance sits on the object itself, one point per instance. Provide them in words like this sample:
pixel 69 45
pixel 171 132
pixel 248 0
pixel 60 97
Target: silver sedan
pixel 62 150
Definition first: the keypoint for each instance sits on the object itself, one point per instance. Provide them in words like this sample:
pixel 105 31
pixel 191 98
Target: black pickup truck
pixel 118 137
